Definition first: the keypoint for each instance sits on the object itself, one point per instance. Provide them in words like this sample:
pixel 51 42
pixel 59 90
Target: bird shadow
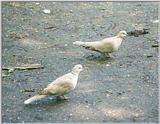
pixel 100 59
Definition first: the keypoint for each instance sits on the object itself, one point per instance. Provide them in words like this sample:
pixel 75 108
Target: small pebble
pixel 37 3
pixel 155 21
pixel 87 118
pixel 86 101
pixel 47 11
pixel 66 45
pixel 87 106
pixel 71 11
pixel 108 95
pixel 119 93
pixel 107 65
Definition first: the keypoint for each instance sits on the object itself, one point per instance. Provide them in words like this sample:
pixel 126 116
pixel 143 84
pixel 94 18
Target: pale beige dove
pixel 60 86
pixel 105 46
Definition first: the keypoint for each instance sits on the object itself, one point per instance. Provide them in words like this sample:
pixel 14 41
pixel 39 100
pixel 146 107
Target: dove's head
pixel 77 69
pixel 122 34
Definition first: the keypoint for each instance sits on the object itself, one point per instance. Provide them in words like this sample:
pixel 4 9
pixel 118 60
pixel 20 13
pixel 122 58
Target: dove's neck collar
pixel 118 36
pixel 74 72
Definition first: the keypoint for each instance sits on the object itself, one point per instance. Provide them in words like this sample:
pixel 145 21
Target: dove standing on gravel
pixel 60 86
pixel 105 46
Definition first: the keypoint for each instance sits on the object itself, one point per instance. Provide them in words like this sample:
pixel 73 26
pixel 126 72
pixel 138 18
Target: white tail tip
pixel 34 98
pixel 27 102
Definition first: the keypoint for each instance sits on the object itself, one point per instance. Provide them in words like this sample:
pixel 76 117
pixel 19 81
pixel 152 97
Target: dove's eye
pixel 123 33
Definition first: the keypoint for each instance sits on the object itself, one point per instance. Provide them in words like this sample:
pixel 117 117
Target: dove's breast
pixel 117 44
pixel 106 47
pixel 111 45
pixel 65 88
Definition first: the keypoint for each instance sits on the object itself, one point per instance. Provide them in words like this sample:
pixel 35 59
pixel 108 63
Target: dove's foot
pixel 65 98
pixel 62 97
pixel 106 55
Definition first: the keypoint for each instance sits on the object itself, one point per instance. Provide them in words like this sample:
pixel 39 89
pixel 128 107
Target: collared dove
pixel 105 46
pixel 60 86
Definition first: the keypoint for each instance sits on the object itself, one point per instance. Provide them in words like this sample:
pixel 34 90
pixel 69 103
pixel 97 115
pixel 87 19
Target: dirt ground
pixel 123 88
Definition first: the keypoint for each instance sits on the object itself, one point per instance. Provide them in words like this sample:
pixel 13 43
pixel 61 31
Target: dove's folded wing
pixel 100 46
pixel 92 45
pixel 60 86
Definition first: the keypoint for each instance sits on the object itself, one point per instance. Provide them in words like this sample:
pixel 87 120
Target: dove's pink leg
pixel 62 97
pixel 106 55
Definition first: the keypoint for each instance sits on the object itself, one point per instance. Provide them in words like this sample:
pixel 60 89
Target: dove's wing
pixel 60 86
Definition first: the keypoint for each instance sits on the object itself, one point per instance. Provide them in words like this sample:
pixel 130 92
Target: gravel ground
pixel 123 88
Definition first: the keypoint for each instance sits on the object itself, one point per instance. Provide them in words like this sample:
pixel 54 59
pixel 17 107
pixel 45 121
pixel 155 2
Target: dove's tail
pixel 79 43
pixel 34 98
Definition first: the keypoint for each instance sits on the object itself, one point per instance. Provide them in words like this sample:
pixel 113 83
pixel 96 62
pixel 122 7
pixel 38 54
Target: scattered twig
pixel 50 27
pixel 148 56
pixel 4 75
pixel 24 67
pixel 28 90
pixel 155 45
